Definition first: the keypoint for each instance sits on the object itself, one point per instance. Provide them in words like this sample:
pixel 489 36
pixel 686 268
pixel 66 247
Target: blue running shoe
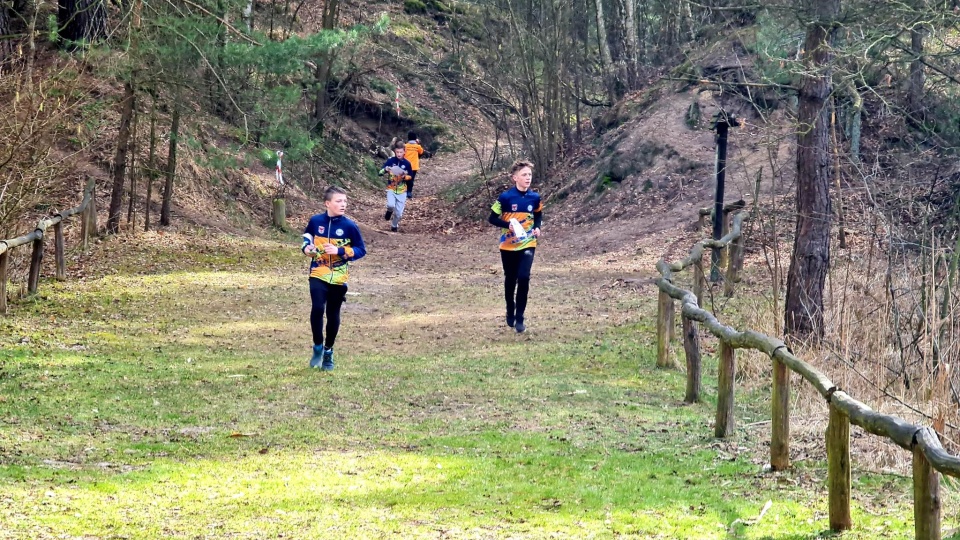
pixel 520 327
pixel 316 358
pixel 327 364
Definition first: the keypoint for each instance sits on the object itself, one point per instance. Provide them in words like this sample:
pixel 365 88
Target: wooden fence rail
pixel 929 456
pixel 88 224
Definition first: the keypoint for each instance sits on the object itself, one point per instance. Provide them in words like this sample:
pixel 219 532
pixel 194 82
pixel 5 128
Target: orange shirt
pixel 412 154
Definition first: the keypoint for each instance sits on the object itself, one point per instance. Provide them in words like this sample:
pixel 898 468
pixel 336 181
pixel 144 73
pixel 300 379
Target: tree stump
pixel 280 214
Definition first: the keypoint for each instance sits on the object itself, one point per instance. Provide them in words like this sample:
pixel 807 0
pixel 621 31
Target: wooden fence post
pixel 59 251
pixel 725 390
pixel 691 347
pixel 780 416
pixel 35 260
pixel 91 220
pixel 671 319
pixel 664 317
pixel 85 228
pixel 725 252
pixel 280 214
pixel 4 262
pixel 838 469
pixel 733 266
pixel 926 497
pixel 698 281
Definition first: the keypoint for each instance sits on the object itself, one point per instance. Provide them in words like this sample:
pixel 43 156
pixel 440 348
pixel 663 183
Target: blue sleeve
pixel 494 219
pixel 538 216
pixel 356 242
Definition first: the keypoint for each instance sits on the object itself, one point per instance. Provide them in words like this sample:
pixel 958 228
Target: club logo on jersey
pixel 339 232
pixel 513 208
pixel 320 229
pixel 529 208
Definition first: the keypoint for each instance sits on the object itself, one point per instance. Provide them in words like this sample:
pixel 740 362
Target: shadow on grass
pixel 471 441
pixel 179 406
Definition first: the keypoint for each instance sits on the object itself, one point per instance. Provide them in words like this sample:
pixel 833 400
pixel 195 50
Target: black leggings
pixel 330 298
pixel 516 279
pixel 413 176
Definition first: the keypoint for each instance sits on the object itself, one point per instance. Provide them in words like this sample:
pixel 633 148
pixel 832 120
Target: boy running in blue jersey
pixel 398 171
pixel 519 213
pixel 331 240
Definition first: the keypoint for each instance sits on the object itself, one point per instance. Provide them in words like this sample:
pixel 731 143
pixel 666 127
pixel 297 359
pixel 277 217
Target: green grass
pixel 177 404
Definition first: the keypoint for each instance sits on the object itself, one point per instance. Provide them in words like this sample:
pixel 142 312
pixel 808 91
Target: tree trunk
pixel 31 14
pixel 856 117
pixel 134 48
pixel 151 165
pixel 331 11
pixel 171 167
pixel 213 76
pixel 803 312
pixel 6 29
pixel 629 47
pixel 81 22
pixel 247 15
pixel 606 60
pixel 917 75
pixel 120 159
pixel 134 142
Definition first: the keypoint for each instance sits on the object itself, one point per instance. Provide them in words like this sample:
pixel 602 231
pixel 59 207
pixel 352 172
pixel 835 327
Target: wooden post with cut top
pixel 780 416
pixel 838 469
pixel 664 318
pixel 926 493
pixel 691 348
pixel 59 254
pixel 725 391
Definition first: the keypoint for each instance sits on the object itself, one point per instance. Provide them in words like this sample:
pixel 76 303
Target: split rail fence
pixel 929 457
pixel 88 226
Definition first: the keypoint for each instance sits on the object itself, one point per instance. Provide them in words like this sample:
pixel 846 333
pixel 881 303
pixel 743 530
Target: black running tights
pixel 329 298
pixel 516 279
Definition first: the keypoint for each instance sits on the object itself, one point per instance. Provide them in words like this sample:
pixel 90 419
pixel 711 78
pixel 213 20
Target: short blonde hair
pixel 519 164
pixel 331 192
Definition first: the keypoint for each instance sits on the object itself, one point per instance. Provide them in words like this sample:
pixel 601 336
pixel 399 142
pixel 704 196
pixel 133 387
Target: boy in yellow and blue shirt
pixel 397 170
pixel 519 213
pixel 332 241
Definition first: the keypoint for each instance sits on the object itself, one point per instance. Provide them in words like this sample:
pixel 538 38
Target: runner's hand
pixel 310 249
pixel 536 232
pixel 330 249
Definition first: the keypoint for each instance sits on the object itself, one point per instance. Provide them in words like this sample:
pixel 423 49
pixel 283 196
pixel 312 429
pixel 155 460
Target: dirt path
pixel 440 278
pixel 192 358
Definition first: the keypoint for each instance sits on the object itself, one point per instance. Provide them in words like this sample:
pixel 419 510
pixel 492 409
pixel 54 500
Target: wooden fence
pixel 88 226
pixel 929 456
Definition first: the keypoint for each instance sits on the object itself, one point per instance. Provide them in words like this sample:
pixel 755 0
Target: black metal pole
pixel 722 128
